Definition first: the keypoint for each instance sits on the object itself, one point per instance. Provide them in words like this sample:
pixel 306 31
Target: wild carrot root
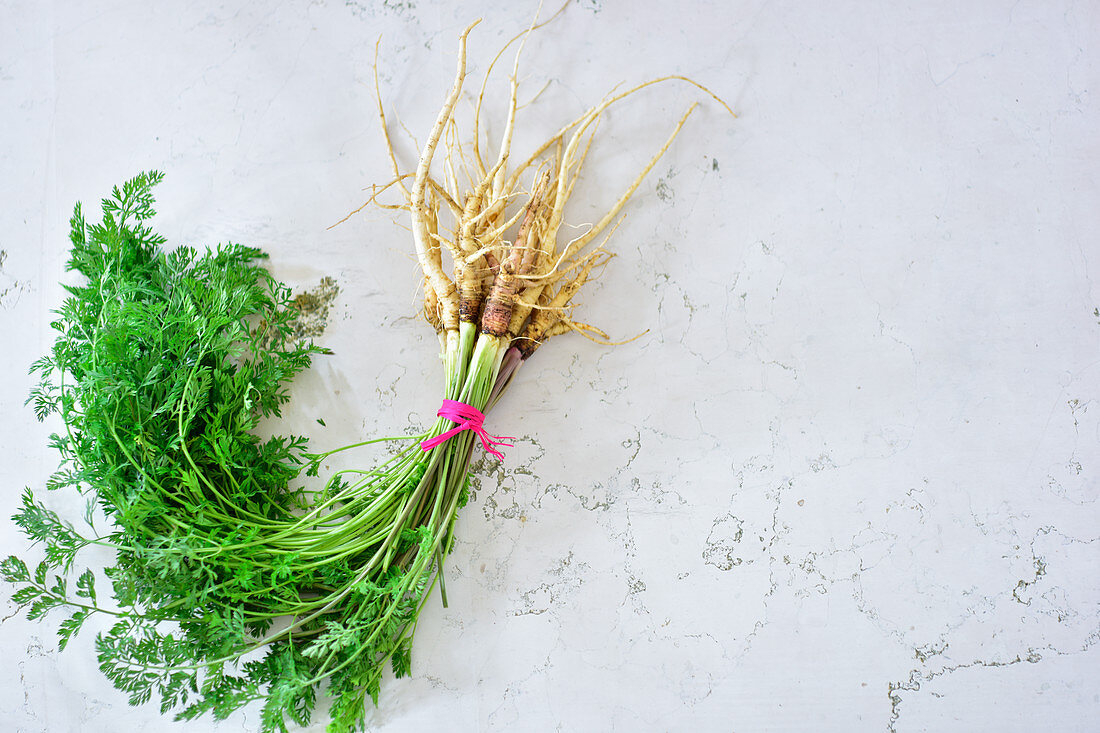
pixel 517 290
pixel 423 212
pixel 519 263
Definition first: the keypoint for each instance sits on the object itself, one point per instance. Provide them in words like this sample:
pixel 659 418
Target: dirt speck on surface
pixel 309 314
pixel 10 288
pixel 313 309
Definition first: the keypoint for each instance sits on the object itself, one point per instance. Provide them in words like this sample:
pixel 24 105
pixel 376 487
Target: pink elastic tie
pixel 467 418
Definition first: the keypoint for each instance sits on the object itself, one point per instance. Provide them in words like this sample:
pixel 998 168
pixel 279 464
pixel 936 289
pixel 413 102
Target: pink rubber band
pixel 466 418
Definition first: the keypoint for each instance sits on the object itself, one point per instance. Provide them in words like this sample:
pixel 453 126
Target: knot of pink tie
pixel 466 418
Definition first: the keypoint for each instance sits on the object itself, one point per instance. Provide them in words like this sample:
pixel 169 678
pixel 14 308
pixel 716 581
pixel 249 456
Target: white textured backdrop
pixel 847 481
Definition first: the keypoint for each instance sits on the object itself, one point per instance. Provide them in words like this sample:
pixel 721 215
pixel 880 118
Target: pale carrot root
pixel 594 232
pixel 431 307
pixel 445 197
pixel 598 109
pixel 501 297
pixel 376 191
pixel 535 333
pixel 419 207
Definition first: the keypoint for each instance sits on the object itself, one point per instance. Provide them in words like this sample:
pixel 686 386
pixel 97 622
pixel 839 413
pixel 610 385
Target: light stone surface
pixel 847 479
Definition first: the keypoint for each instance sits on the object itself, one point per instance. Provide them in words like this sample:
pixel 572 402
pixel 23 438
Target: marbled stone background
pixel 848 478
